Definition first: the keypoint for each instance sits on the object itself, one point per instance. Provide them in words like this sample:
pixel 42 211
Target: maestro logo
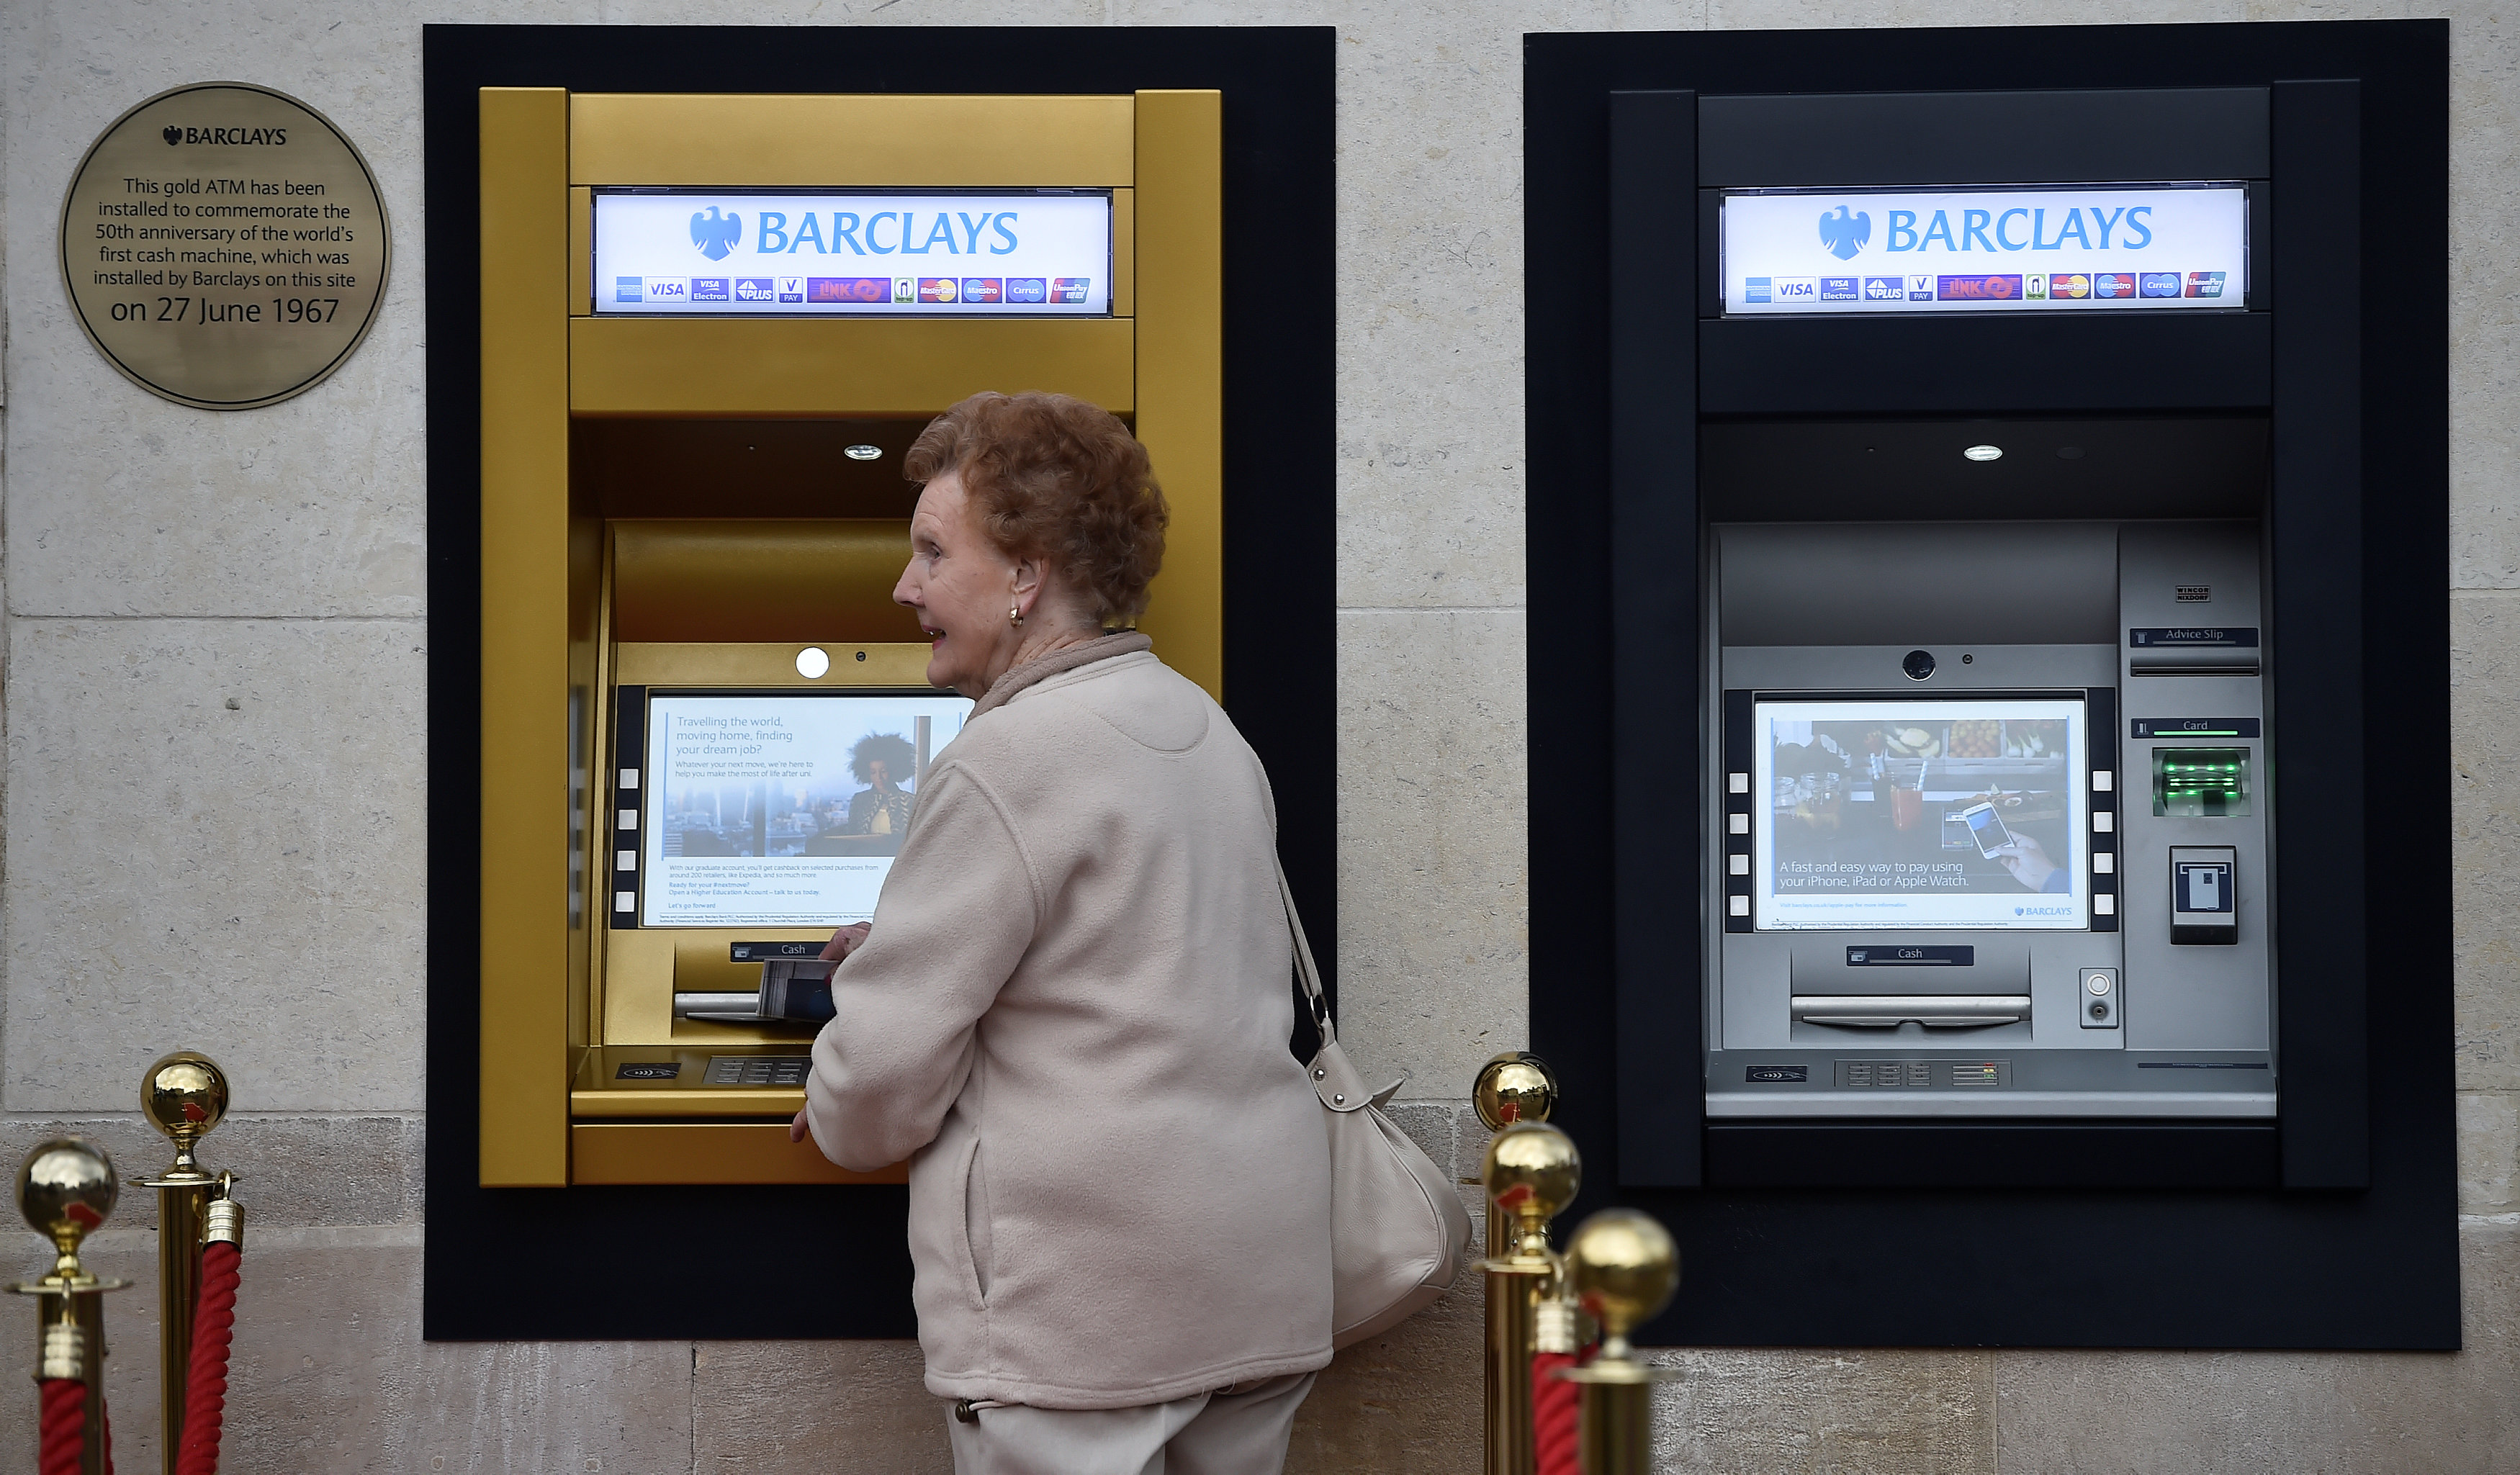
pixel 1844 235
pixel 716 234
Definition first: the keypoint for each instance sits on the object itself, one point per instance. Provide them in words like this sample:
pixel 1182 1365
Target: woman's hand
pixel 845 941
pixel 797 1131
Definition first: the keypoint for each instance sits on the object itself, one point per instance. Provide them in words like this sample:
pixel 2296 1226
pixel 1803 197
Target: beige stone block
pixel 248 881
pixel 1428 266
pixel 329 1373
pixel 290 1170
pixel 1759 1411
pixel 840 1408
pixel 120 503
pixel 1430 804
pixel 2484 452
pixel 2488 1150
pixel 2283 1412
pixel 1406 1403
pixel 2484 838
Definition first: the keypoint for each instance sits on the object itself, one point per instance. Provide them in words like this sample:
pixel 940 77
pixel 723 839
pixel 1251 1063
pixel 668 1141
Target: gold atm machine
pixel 711 328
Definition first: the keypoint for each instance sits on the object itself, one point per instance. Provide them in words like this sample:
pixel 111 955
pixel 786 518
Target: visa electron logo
pixel 1845 235
pixel 716 234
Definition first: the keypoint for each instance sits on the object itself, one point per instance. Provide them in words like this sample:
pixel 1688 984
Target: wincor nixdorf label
pixel 1912 957
pixel 1777 1073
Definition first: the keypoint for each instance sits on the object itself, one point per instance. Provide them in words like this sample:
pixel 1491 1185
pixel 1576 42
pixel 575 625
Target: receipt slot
pixel 711 324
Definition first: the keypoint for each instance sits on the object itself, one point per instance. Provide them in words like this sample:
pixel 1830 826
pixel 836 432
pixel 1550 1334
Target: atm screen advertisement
pixel 780 810
pixel 1920 814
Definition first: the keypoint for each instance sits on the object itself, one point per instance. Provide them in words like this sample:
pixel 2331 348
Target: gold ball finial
pixel 1532 1171
pixel 184 1095
pixel 1625 1267
pixel 66 1188
pixel 1514 1086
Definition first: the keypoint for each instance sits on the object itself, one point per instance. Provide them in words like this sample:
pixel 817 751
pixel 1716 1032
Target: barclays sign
pixel 2074 247
pixel 856 254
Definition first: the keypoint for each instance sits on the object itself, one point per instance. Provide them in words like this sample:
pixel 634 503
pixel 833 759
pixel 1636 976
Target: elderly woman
pixel 1072 1007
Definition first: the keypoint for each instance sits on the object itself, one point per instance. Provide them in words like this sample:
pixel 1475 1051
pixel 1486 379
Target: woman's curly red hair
pixel 1055 479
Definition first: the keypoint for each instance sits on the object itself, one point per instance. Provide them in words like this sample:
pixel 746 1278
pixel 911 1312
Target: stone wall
pixel 212 800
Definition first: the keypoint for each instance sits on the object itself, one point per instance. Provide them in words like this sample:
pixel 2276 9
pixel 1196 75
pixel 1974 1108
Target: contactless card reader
pixel 2204 901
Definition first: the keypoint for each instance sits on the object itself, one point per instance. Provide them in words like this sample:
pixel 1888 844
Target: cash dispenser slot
pixel 1885 985
pixel 1932 1010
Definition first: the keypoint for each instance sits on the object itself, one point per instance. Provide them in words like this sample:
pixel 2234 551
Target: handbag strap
pixel 1306 970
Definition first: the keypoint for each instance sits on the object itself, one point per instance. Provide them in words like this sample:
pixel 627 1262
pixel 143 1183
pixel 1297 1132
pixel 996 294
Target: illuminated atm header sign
pixel 902 254
pixel 2074 248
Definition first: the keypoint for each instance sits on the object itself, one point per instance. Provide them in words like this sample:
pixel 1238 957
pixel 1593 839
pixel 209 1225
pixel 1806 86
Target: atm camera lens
pixel 2100 1009
pixel 1919 665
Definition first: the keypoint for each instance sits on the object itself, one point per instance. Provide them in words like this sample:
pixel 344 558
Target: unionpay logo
pixel 1843 234
pixel 716 234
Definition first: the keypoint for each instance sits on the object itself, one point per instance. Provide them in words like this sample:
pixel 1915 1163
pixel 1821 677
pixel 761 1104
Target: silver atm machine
pixel 1993 837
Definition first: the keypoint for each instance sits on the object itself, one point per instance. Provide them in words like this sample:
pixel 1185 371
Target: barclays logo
pixel 716 234
pixel 1844 235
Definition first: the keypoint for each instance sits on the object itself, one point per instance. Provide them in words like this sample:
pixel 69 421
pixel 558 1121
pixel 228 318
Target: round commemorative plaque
pixel 224 246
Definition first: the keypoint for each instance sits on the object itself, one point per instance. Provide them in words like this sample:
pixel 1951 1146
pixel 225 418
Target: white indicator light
pixel 812 662
pixel 1983 453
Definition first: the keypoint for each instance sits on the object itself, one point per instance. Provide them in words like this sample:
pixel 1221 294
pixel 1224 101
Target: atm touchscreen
pixel 1905 812
pixel 780 809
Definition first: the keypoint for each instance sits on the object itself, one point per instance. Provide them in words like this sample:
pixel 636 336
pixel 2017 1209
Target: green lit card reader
pixel 2204 902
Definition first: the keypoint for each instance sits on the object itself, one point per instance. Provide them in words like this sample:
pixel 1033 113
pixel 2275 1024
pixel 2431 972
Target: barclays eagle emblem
pixel 1844 235
pixel 716 234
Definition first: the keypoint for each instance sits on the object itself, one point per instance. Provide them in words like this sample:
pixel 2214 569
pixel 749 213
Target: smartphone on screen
pixel 1986 827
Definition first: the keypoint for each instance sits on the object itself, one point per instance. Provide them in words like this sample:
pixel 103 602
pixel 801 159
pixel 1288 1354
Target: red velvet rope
pixel 206 1389
pixel 1554 1402
pixel 64 1426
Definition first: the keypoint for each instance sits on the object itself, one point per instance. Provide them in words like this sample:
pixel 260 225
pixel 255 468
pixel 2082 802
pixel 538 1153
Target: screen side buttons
pixel 2100 1006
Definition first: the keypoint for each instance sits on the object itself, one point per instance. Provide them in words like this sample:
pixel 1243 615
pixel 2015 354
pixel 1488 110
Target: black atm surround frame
pixel 2336 1229
pixel 615 1263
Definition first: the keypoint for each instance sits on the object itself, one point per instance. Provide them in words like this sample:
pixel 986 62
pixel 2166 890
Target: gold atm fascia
pixel 665 496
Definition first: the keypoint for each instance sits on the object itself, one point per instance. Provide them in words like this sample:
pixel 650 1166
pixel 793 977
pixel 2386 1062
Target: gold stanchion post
pixel 184 1095
pixel 1623 1267
pixel 1514 1086
pixel 1532 1171
pixel 66 1188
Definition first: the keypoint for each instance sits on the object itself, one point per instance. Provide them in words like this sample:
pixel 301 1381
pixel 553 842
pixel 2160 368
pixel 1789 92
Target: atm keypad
pixel 759 1070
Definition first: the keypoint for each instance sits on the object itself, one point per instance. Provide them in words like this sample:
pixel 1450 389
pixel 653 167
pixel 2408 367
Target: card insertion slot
pixel 1890 1010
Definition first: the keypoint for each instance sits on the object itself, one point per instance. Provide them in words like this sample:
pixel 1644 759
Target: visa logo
pixel 670 288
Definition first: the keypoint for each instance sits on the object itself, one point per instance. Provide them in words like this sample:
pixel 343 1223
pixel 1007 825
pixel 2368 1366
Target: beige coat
pixel 1071 1017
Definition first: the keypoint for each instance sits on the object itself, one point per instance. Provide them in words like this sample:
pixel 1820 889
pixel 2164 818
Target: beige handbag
pixel 1398 1230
